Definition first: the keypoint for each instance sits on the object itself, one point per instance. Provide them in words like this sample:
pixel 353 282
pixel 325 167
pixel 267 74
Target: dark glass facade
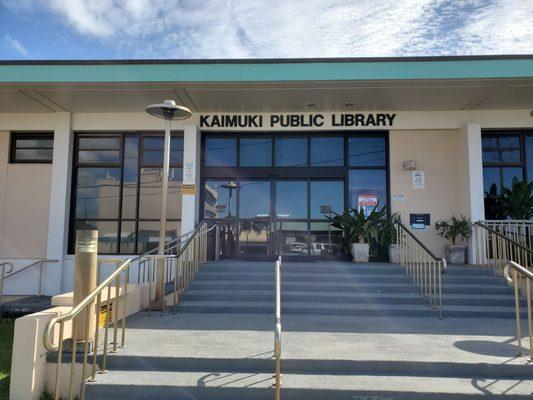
pixel 117 189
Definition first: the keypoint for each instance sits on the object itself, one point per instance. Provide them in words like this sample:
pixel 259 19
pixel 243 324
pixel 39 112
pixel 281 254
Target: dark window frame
pixel 21 135
pixel 140 165
pixel 522 134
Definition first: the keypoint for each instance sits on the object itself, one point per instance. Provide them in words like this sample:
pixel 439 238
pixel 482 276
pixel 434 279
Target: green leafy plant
pixel 454 228
pixel 517 202
pixel 357 227
pixel 387 235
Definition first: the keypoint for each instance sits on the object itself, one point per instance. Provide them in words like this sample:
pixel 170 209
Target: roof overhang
pixel 427 83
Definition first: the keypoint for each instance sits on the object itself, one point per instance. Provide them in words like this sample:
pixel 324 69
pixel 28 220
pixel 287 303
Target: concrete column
pixel 53 278
pixel 190 199
pixel 471 175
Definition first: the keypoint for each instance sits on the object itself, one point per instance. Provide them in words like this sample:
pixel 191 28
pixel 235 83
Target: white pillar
pixel 470 159
pixel 190 199
pixel 58 221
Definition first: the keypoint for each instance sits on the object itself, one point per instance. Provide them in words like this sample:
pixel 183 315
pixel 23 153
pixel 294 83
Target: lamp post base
pixel 158 305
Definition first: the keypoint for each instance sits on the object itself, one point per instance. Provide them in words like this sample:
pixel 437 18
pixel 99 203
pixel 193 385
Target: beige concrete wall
pixel 24 206
pixel 435 152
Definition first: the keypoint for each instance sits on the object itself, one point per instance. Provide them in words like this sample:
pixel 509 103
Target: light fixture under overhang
pixel 311 105
pixel 349 104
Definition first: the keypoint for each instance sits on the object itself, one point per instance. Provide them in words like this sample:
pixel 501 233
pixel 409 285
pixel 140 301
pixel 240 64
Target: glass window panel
pixel 489 142
pixel 327 151
pixel 326 194
pixel 254 237
pixel 529 158
pixel 220 152
pixel 98 157
pixel 256 152
pixel 217 199
pixel 291 199
pixel 254 199
pixel 131 176
pixel 291 152
pixel 97 193
pixel 107 234
pixel 32 143
pixel 366 151
pixel 324 240
pixel 153 150
pixel 365 185
pixel 108 143
pixel 491 156
pixel 491 175
pixel 34 154
pixel 150 193
pixel 293 238
pixel 510 156
pixel 507 142
pixel 508 173
pixel 149 234
pixel 127 237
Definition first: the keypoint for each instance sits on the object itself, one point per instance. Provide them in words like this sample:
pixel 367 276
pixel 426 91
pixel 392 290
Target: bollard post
pixel 85 267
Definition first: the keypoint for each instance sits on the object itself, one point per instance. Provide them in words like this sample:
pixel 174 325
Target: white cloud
pixel 15 44
pixel 301 28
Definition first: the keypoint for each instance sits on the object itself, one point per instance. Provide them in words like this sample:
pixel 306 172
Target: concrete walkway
pixel 350 332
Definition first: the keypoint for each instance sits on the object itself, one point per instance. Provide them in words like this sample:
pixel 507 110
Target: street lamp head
pixel 168 110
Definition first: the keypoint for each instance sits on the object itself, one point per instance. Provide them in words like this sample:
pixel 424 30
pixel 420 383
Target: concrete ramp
pixel 349 332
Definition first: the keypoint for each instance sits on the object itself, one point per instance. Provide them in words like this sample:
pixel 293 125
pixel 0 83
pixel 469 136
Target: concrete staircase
pixel 350 332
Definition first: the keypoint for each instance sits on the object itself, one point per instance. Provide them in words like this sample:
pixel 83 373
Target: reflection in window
pixel 508 174
pixel 151 189
pixel 529 157
pixel 293 238
pixel 220 152
pixel 255 152
pixel 254 199
pixel 217 199
pixel 149 234
pixel 291 199
pixel 291 152
pixel 365 186
pixel 254 237
pixel 109 170
pixel 326 197
pixel 327 151
pixel 366 151
pixel 324 240
pixel 98 193
pixel 32 148
pixel 491 176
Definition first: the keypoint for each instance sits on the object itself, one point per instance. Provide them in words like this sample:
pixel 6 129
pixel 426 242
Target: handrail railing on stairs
pixel 422 265
pixel 182 258
pixel 277 332
pixel 520 273
pixel 5 274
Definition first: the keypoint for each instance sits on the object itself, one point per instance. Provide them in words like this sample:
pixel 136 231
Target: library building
pixel 271 149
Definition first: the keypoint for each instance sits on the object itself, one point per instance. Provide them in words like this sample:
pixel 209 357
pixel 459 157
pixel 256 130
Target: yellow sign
pixel 103 312
pixel 188 189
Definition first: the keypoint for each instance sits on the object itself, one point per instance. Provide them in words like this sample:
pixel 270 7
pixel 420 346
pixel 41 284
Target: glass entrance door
pixel 255 225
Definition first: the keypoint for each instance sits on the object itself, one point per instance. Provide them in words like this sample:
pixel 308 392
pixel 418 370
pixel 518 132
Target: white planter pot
pixel 360 252
pixel 455 254
pixel 393 254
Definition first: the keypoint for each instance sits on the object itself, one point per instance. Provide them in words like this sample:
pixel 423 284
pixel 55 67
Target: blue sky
pixel 113 29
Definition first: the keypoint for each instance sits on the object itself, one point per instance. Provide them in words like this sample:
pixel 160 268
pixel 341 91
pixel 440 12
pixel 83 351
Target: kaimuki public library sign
pixel 295 121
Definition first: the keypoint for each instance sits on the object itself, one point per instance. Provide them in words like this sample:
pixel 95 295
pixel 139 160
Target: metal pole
pixel 159 302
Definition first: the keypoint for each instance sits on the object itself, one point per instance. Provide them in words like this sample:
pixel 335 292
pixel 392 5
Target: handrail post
pixel 277 332
pixel 217 242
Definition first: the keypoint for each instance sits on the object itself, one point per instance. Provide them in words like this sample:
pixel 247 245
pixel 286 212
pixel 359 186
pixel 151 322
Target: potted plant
pixel 453 229
pixel 359 230
pixel 388 238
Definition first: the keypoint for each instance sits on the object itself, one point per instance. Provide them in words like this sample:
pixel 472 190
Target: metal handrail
pixel 422 265
pixel 277 332
pixel 520 272
pixel 501 235
pixel 188 255
pixel 10 273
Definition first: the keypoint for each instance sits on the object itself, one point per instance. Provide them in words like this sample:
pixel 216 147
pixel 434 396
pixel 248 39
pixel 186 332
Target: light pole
pixel 168 110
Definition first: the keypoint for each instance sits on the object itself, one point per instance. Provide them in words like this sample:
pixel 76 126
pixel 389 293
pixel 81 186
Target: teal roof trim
pixel 265 72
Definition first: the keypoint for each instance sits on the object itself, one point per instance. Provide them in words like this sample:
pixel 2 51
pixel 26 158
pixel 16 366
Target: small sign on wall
pixel 419 221
pixel 419 180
